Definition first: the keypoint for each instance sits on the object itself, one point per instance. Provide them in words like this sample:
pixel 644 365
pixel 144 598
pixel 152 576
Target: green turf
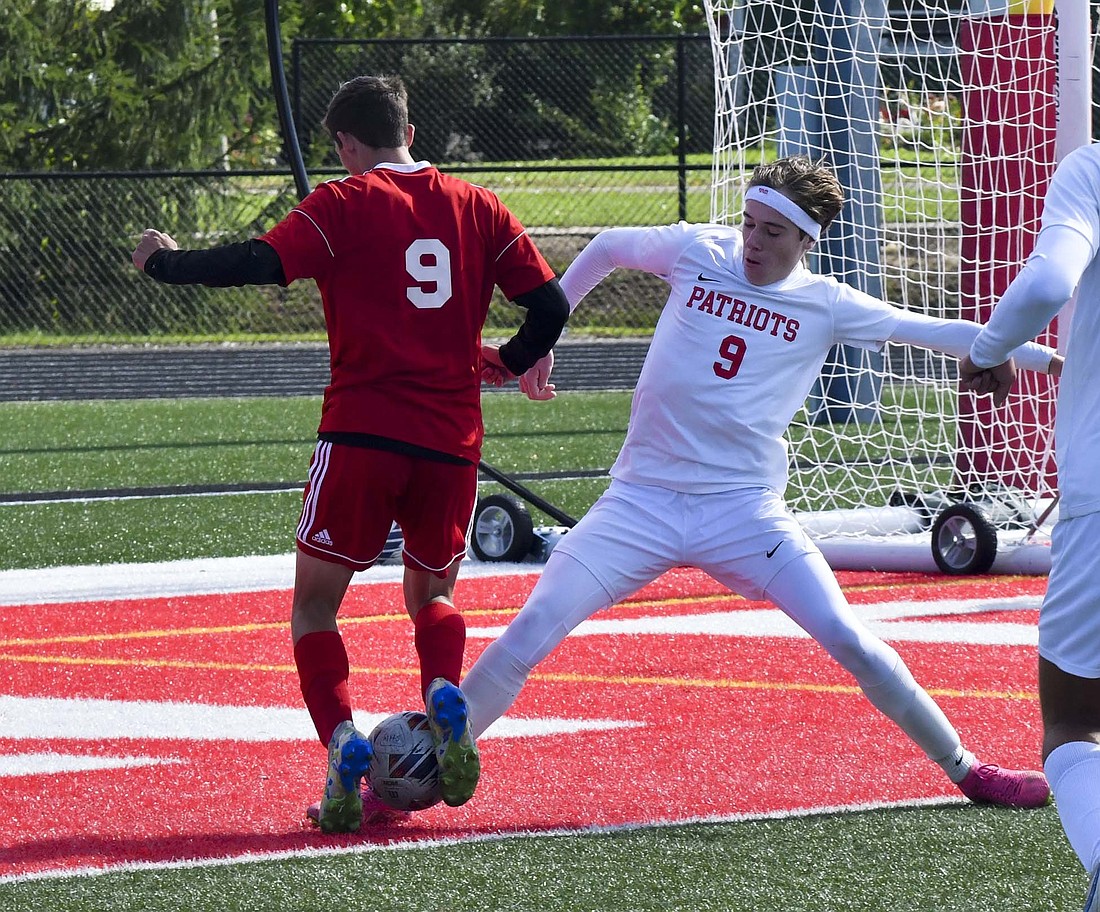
pixel 109 446
pixel 141 444
pixel 947 859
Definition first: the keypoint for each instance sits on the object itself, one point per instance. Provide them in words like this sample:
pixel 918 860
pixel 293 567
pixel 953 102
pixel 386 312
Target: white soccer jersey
pixel 1032 300
pixel 730 362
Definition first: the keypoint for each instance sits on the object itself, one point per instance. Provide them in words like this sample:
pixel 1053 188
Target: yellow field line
pixel 180 664
pixel 727 684
pixel 386 618
pixel 550 677
pixel 198 631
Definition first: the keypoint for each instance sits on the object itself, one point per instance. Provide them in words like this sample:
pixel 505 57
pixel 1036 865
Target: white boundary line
pixel 420 845
pixel 202 576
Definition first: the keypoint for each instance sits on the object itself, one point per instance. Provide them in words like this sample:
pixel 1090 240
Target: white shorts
pixel 1069 622
pixel 634 533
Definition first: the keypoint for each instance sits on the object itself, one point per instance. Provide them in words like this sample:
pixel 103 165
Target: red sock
pixel 440 637
pixel 323 671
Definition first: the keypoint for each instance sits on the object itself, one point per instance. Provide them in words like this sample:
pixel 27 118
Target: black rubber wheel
pixel 503 530
pixel 964 540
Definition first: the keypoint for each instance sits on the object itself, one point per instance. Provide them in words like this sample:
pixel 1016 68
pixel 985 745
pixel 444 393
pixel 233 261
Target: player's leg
pixel 323 668
pixel 319 653
pixel 439 633
pixel 807 591
pixel 435 511
pixel 566 594
pixel 766 554
pixel 621 544
pixel 1071 748
pixel 1069 688
pixel 342 529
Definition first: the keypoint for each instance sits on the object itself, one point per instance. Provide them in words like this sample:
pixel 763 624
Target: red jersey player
pixel 406 259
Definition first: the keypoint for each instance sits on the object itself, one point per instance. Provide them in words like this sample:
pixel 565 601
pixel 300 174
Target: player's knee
pixel 314 613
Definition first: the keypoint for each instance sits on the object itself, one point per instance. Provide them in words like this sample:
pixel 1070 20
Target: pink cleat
pixel 374 811
pixel 992 784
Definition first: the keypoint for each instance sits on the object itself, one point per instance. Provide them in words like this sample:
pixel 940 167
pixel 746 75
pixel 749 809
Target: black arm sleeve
pixel 247 263
pixel 547 312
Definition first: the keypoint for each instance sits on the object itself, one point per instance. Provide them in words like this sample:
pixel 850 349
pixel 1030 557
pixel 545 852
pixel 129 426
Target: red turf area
pixel 727 725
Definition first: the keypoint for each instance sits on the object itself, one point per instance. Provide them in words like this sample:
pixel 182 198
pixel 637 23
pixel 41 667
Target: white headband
pixel 781 204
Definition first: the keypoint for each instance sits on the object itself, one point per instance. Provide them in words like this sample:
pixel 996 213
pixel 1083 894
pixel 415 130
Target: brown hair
pixel 811 185
pixel 373 109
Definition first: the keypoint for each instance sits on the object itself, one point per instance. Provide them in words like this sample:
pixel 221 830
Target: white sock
pixel 492 685
pixel 1073 769
pixel 957 764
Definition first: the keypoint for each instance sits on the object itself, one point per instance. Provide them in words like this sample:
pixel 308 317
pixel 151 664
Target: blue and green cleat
pixel 456 751
pixel 349 754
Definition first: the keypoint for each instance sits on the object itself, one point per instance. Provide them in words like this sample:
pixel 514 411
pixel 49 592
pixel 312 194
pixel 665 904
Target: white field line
pixel 45 764
pixel 51 585
pixel 146 720
pixel 413 845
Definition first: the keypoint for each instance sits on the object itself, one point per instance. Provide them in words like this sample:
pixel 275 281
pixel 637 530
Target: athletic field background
pixel 686 750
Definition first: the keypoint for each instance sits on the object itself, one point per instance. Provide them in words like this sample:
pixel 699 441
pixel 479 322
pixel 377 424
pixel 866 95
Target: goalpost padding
pixel 943 117
pixel 1008 78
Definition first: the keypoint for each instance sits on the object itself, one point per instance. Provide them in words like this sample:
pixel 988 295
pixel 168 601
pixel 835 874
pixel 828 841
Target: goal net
pixel 941 119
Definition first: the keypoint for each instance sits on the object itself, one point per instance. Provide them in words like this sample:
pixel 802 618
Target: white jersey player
pixel 700 478
pixel 1064 259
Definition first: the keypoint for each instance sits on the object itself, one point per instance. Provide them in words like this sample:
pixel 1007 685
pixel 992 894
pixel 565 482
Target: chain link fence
pixel 573 134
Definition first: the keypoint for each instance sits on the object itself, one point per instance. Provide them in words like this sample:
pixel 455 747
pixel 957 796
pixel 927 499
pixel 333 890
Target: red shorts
pixel 355 494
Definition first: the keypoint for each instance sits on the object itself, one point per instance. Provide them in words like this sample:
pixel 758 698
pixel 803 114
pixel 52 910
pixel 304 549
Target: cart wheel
pixel 503 530
pixel 964 541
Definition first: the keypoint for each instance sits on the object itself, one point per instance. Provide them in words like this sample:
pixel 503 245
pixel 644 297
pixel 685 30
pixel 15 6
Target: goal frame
pixel 1001 500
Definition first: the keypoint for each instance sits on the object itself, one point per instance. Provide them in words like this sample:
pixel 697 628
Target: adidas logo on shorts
pixel 322 538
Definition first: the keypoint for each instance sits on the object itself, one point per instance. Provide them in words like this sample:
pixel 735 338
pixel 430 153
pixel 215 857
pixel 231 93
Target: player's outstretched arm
pixel 653 250
pixel 251 262
pixel 955 337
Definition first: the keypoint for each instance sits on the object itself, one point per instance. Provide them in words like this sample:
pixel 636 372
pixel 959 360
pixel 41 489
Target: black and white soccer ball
pixel 404 771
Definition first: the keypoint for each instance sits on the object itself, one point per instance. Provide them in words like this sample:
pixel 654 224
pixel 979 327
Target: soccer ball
pixel 404 771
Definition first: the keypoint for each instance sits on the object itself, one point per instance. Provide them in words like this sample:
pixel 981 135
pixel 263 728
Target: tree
pixel 539 18
pixel 90 85
pixel 153 84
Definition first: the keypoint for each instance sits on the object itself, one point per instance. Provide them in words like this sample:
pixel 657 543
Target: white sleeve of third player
pixel 955 337
pixel 653 250
pixel 1035 296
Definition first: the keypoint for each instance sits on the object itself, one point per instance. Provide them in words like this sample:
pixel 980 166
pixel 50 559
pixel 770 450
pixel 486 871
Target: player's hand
pixel 535 383
pixel 1056 365
pixel 995 381
pixel 151 241
pixel 493 371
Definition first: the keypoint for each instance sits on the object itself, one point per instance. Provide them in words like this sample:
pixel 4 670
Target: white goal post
pixel 944 120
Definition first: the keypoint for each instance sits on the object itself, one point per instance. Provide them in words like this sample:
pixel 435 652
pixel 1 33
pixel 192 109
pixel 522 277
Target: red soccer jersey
pixel 406 259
